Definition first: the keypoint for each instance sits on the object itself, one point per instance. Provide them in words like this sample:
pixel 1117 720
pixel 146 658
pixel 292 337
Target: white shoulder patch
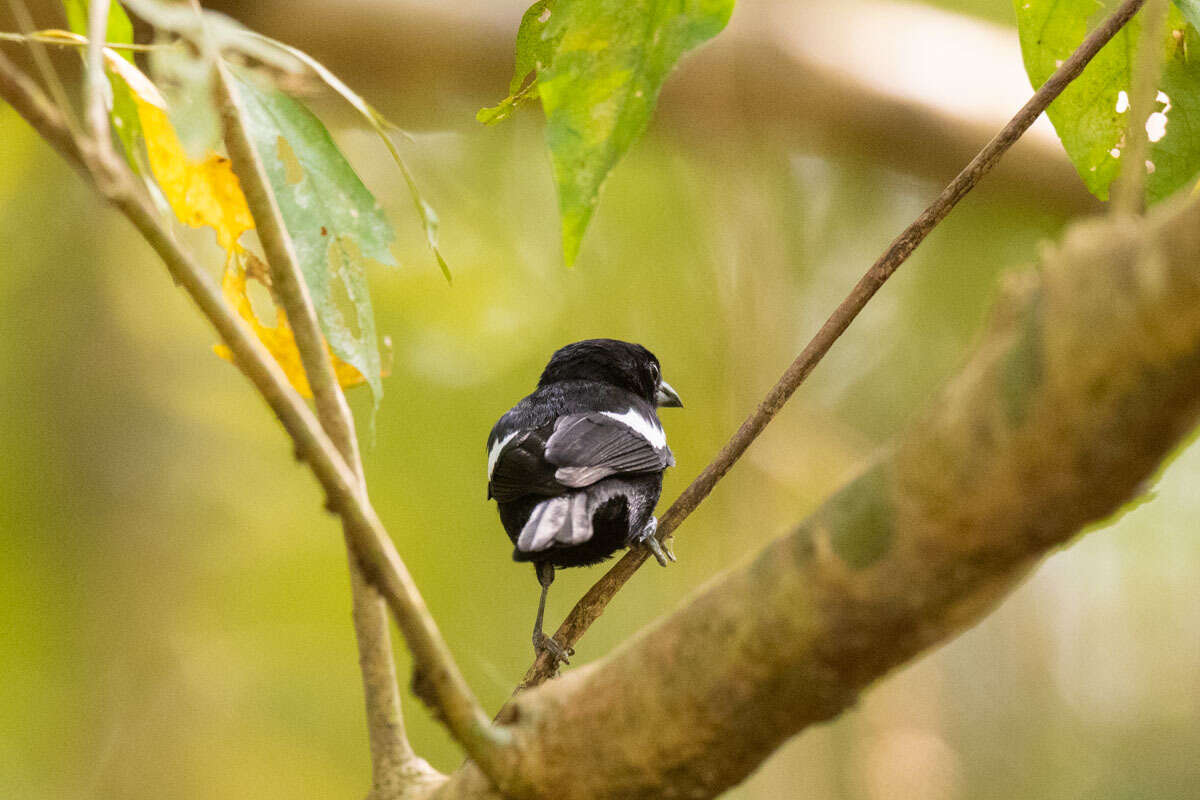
pixel 497 448
pixel 648 429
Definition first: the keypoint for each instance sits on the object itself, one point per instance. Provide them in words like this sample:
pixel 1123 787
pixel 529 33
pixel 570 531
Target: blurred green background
pixel 174 605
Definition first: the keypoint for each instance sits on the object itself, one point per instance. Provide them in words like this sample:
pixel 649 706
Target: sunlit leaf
pixel 124 112
pixel 600 65
pixel 381 126
pixel 279 340
pixel 1091 116
pixel 334 222
pixel 201 193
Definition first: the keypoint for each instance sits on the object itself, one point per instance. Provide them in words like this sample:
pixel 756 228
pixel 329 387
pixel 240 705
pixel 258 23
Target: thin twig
pixel 41 58
pixel 1129 191
pixel 438 676
pixel 593 603
pixel 59 39
pixel 392 756
pixel 95 87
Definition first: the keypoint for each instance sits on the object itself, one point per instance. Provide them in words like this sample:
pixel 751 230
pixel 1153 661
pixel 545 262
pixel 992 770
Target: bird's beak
pixel 666 397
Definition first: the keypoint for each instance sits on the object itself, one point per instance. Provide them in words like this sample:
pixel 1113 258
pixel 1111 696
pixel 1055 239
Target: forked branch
pixel 438 680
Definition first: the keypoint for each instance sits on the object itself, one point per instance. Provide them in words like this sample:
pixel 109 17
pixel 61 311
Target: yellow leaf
pixel 142 87
pixel 200 192
pixel 280 340
pixel 207 192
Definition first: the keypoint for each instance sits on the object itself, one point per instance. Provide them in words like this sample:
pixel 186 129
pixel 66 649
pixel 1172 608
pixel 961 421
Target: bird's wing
pixel 585 448
pixel 517 466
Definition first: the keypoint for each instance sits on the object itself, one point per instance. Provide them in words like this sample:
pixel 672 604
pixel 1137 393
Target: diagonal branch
pixel 437 679
pixel 1085 379
pixel 593 603
pixel 394 764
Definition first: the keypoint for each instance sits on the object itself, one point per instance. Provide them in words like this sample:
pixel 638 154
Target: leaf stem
pixel 593 603
pixel 61 39
pixel 1129 193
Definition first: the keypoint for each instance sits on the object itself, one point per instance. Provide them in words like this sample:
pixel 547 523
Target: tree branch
pixel 436 679
pixel 593 603
pixel 394 764
pixel 1086 378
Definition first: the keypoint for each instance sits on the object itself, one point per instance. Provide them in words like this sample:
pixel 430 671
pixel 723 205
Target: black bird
pixel 576 467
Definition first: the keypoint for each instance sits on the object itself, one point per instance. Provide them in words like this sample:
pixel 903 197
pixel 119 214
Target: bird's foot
pixel 543 643
pixel 660 550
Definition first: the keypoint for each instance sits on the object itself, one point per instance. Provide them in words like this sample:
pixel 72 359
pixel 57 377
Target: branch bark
pixel 593 603
pixel 1086 378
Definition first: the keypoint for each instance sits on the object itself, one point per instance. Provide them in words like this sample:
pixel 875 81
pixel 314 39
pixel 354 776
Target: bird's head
pixel 624 364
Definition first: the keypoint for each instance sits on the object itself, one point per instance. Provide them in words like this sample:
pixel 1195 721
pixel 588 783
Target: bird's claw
pixel 660 550
pixel 543 643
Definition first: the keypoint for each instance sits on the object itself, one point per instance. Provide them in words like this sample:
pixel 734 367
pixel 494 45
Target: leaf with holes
pixel 279 339
pixel 202 193
pixel 334 222
pixel 381 125
pixel 1092 114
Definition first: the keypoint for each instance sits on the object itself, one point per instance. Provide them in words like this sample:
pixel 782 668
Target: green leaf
pixel 334 221
pixel 120 29
pixel 534 52
pixel 1191 11
pixel 534 48
pixel 124 111
pixel 602 82
pixel 1091 115
pixel 380 124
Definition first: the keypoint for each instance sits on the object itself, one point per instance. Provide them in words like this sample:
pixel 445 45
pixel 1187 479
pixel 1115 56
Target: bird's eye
pixel 654 372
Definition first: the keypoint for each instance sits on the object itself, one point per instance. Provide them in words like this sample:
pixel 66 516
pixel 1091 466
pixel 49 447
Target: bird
pixel 576 467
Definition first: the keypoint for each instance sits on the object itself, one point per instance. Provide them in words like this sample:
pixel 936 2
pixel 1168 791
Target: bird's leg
pixel 545 576
pixel 660 550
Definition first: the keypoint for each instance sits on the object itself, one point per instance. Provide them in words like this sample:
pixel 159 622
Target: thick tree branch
pixel 436 679
pixel 395 767
pixel 593 603
pixel 1086 378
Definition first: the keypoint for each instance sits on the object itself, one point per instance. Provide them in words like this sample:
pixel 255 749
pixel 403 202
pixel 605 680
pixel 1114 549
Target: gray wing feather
pixel 588 447
pixel 544 524
pixel 561 520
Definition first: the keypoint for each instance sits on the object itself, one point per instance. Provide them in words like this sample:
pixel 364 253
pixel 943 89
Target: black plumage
pixel 576 467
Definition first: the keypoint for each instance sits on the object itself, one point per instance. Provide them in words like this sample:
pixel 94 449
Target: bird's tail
pixel 563 520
